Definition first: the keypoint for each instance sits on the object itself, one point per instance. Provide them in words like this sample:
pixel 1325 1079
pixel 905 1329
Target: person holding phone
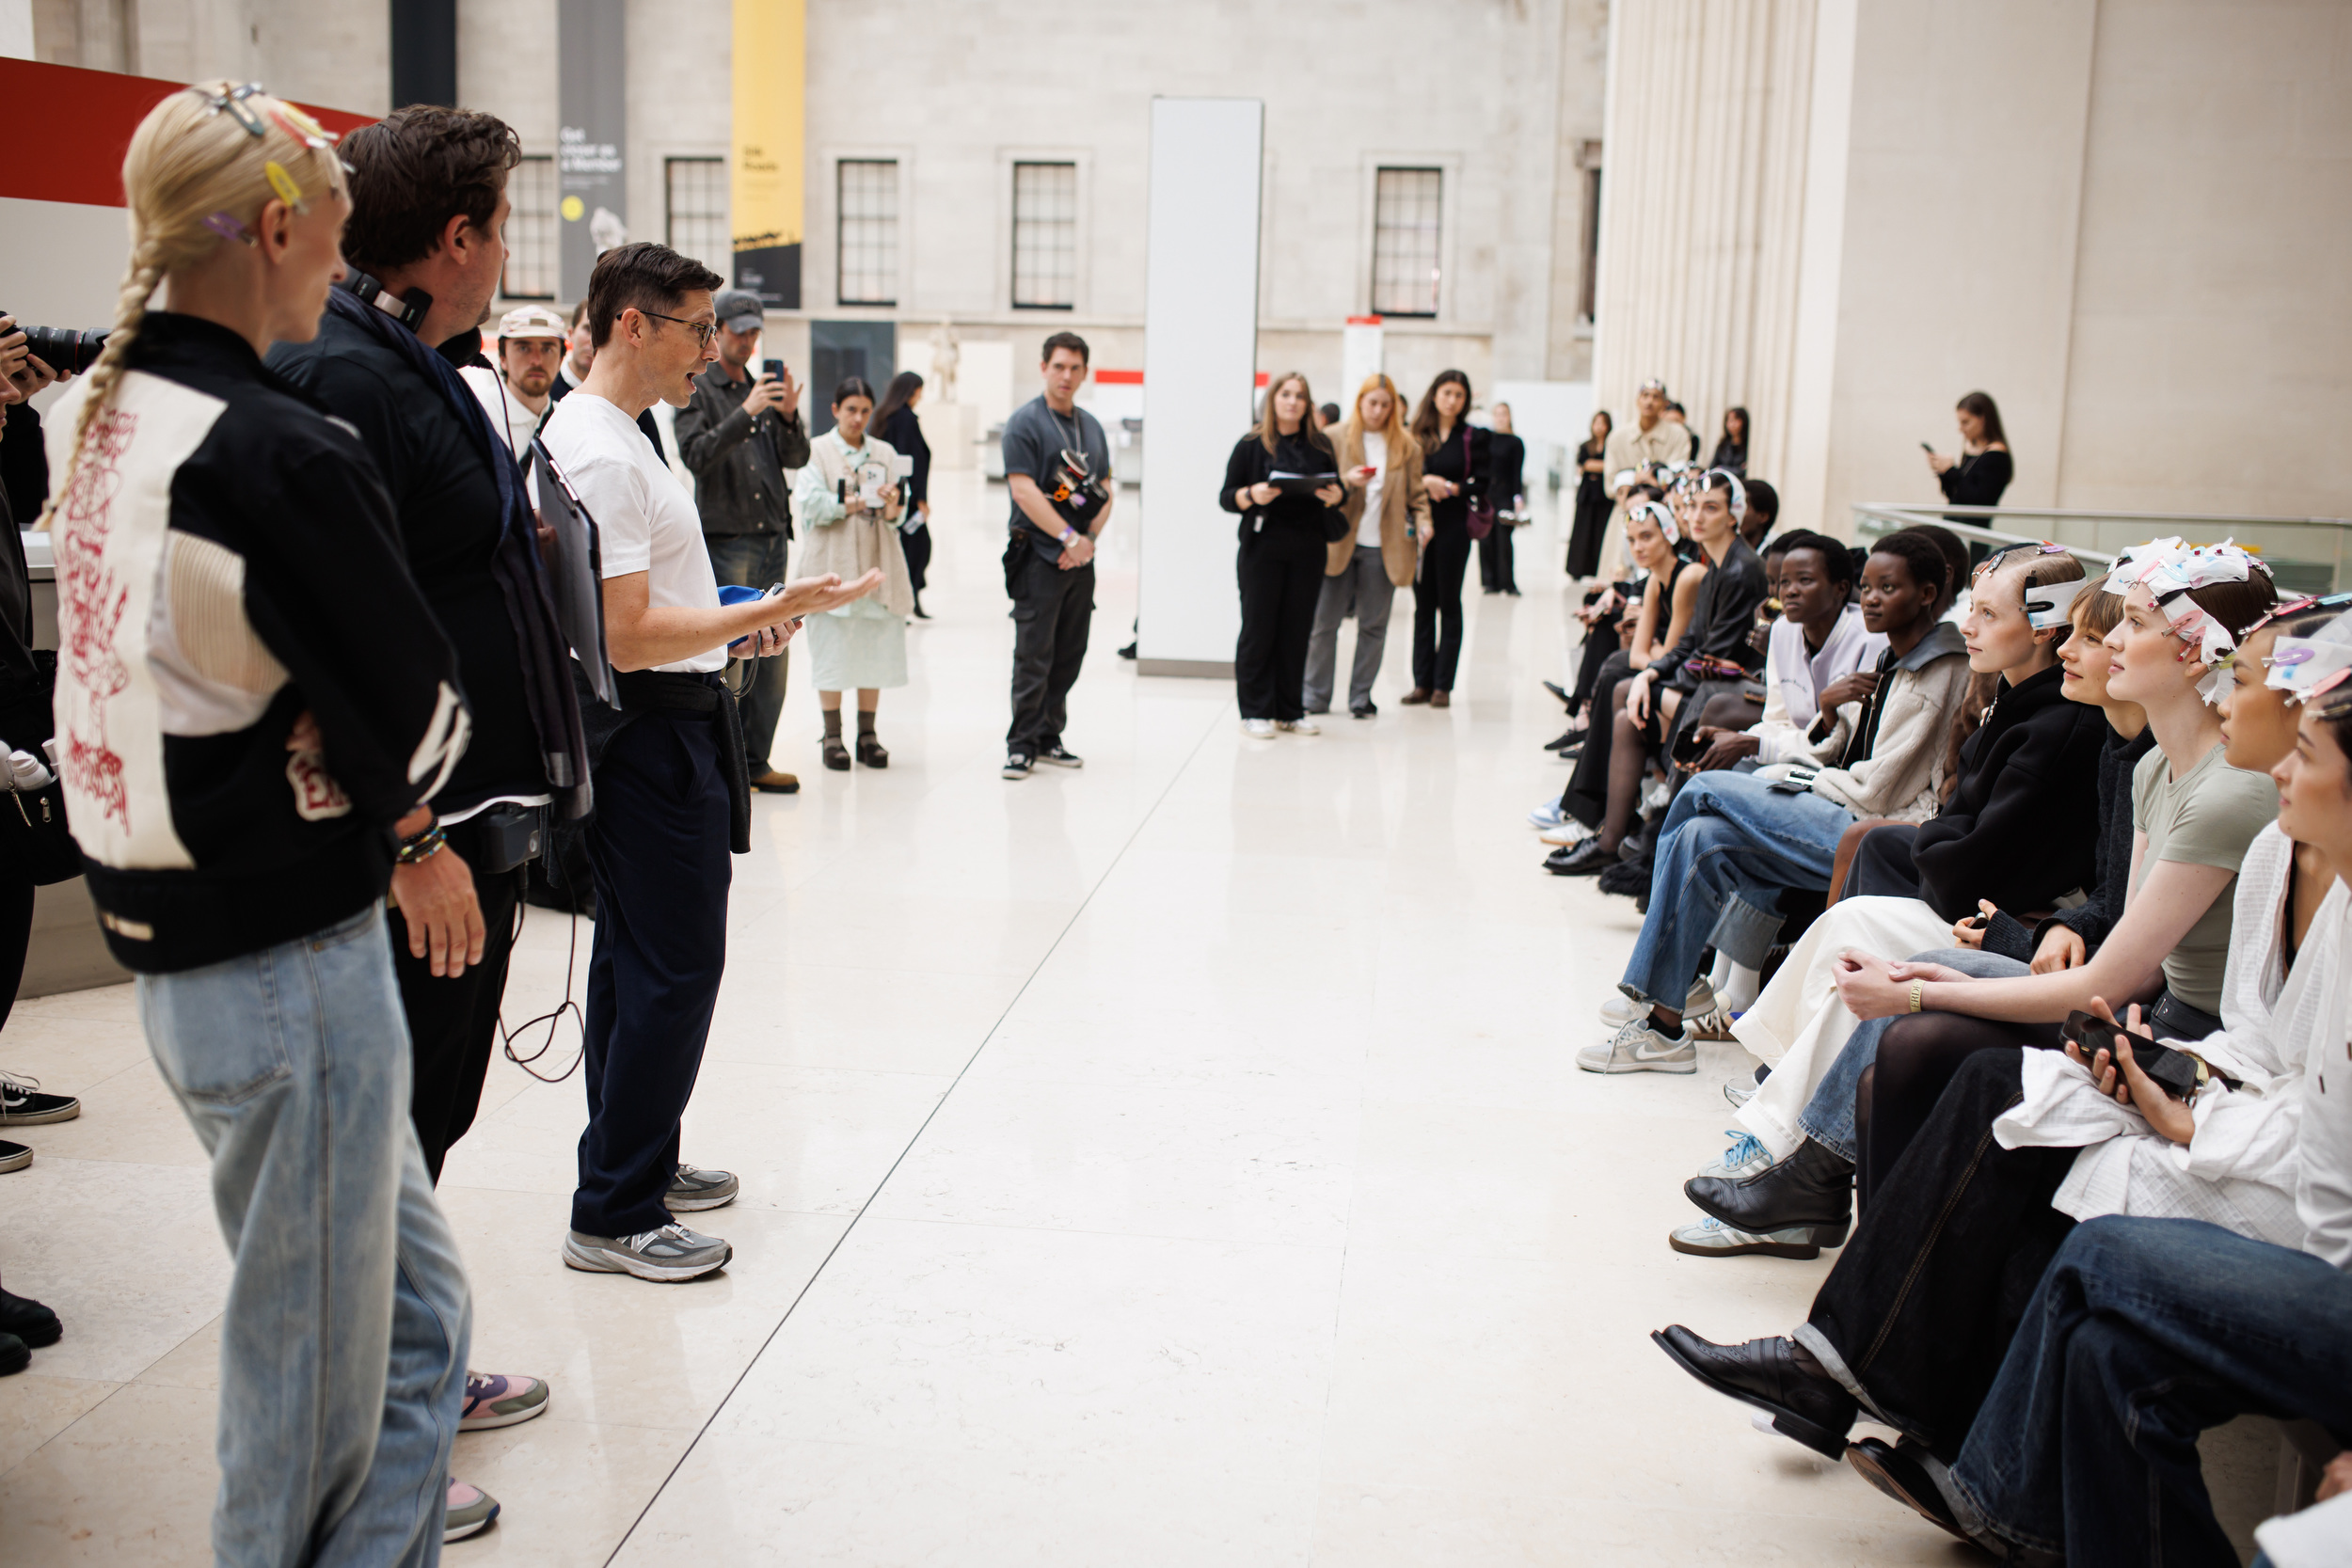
pixel 1364 567
pixel 739 434
pixel 1982 471
pixel 1456 461
pixel 851 500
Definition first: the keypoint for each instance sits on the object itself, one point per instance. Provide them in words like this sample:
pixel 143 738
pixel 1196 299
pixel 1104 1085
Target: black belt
pixel 644 691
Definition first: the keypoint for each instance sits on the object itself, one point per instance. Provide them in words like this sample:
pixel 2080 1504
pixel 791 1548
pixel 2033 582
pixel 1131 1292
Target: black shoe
pixel 1584 858
pixel 15 1356
pixel 1128 651
pixel 1811 1187
pixel 920 613
pixel 14 1156
pixel 1559 692
pixel 29 1320
pixel 23 1104
pixel 1364 709
pixel 1568 743
pixel 1894 1472
pixel 1628 881
pixel 1016 765
pixel 1638 845
pixel 1810 1407
pixel 1059 755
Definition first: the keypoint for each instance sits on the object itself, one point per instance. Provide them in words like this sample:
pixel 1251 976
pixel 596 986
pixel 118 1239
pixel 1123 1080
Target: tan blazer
pixel 1402 498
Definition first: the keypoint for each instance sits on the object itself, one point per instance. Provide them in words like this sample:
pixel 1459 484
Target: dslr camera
pixel 1075 477
pixel 63 349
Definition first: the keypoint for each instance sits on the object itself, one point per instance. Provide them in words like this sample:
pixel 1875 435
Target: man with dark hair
pixel 579 353
pixel 739 434
pixel 429 204
pixel 671 799
pixel 1057 464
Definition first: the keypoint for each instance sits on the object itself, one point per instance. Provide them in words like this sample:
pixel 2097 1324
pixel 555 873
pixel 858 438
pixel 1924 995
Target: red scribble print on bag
pixel 317 796
pixel 90 602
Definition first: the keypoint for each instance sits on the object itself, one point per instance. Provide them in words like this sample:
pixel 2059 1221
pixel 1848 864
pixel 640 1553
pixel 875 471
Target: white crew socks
pixel 1736 985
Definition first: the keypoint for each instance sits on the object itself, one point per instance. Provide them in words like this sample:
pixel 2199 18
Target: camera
pixel 63 349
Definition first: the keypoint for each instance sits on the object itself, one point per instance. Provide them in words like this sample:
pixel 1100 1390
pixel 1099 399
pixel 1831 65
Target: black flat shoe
pixel 1812 1187
pixel 1902 1478
pixel 1562 692
pixel 29 1320
pixel 1813 1408
pixel 1365 710
pixel 1585 858
pixel 1626 879
pixel 15 1356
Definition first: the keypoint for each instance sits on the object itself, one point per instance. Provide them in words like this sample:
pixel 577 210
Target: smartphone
pixel 1923 446
pixel 1978 922
pixel 771 368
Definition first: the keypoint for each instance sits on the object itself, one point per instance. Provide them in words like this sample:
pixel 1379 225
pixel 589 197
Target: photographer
pixel 1057 464
pixel 739 434
pixel 671 799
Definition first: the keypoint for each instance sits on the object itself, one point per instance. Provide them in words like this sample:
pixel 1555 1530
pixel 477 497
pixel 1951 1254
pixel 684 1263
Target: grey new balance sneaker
pixel 1637 1047
pixel 1712 1238
pixel 669 1254
pixel 23 1104
pixel 470 1510
pixel 1746 1156
pixel 1621 1009
pixel 691 1189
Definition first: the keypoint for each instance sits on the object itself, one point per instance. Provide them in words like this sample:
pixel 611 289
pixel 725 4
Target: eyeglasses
pixel 704 331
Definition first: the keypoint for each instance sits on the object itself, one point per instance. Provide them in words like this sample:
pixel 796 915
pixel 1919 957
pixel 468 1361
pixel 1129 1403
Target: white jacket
pixel 1793 683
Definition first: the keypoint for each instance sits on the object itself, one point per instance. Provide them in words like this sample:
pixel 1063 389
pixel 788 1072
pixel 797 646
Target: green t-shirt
pixel 2207 817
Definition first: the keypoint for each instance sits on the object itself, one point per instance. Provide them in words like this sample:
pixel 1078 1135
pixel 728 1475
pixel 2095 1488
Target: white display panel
pixel 1199 371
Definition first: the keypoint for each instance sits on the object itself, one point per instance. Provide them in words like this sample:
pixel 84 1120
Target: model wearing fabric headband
pixel 2171 572
pixel 1739 491
pixel 2304 667
pixel 2052 604
pixel 1664 517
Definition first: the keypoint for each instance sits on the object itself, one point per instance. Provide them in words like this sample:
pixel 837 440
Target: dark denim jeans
pixel 2143 1334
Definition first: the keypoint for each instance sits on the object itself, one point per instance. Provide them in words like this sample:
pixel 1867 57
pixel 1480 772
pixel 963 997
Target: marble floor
pixel 1179 1161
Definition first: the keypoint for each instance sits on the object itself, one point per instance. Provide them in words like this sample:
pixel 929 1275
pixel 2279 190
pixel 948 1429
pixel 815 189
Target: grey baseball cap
pixel 739 310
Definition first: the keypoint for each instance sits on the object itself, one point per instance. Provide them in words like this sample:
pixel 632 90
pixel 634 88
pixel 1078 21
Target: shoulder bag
pixel 1481 514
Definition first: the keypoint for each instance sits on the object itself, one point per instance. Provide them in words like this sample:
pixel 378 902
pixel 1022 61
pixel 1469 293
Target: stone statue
pixel 945 352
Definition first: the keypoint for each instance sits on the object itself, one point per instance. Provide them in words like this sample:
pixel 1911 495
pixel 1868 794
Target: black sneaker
pixel 1365 709
pixel 1059 755
pixel 22 1104
pixel 14 1156
pixel 15 1356
pixel 1128 651
pixel 1016 765
pixel 29 1320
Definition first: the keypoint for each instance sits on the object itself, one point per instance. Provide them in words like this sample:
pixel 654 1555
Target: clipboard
pixel 577 573
pixel 1301 485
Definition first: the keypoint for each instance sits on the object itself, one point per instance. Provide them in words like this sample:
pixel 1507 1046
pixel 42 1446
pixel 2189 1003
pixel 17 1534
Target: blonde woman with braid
pixel 253 705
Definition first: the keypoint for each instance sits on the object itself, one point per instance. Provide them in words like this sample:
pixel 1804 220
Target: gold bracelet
pixel 1917 987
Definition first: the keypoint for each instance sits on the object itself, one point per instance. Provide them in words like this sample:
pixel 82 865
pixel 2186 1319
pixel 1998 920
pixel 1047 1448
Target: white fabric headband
pixel 2051 604
pixel 1665 516
pixel 1739 491
pixel 2170 572
pixel 2303 667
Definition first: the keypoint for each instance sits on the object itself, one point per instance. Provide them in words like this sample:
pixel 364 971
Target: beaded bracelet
pixel 424 846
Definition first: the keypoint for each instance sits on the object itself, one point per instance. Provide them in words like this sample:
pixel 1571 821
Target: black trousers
pixel 1587 794
pixel 1600 643
pixel 917 545
pixel 1438 608
pixel 453 1024
pixel 1281 571
pixel 1930 1287
pixel 1053 614
pixel 16 938
pixel 1882 866
pixel 658 850
pixel 1496 572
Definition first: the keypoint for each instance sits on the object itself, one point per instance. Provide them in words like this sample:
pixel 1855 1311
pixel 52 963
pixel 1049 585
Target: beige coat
pixel 1402 498
pixel 832 540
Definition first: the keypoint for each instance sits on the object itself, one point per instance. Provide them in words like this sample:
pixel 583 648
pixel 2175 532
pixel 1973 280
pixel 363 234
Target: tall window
pixel 1044 236
pixel 1405 214
pixel 531 245
pixel 867 233
pixel 1592 242
pixel 694 211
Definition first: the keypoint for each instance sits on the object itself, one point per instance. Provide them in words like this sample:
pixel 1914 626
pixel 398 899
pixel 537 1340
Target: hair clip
pixel 234 101
pixel 300 126
pixel 228 227
pixel 2296 607
pixel 1739 491
pixel 283 183
pixel 2051 604
pixel 1664 518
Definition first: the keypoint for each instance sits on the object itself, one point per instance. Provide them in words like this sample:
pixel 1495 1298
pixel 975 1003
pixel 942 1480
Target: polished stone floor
pixel 1177 1162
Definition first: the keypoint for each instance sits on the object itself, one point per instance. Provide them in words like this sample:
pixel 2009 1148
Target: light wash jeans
pixel 344 1343
pixel 1828 1117
pixel 1726 848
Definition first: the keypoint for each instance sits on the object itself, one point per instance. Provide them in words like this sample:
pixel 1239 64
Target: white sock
pixel 1719 976
pixel 1737 990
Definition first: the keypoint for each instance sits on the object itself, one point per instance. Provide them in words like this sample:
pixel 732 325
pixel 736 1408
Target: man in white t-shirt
pixel 671 801
pixel 516 395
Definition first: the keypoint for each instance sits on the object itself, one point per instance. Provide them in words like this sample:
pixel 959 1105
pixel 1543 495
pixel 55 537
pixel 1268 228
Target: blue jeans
pixel 1828 1117
pixel 755 560
pixel 1726 848
pixel 2142 1334
pixel 344 1343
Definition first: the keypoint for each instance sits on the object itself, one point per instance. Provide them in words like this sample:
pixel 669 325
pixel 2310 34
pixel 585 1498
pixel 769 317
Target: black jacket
pixel 2023 822
pixel 904 433
pixel 1721 620
pixel 738 461
pixel 1977 480
pixel 1508 465
pixel 261 528
pixel 1472 470
pixel 1250 463
pixel 2111 850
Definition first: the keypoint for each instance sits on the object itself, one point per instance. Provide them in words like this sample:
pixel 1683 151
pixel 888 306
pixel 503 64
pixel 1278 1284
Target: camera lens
pixel 63 349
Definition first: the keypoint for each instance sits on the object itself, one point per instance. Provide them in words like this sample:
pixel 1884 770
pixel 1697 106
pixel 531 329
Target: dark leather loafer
pixel 1810 1407
pixel 1584 858
pixel 1894 1472
pixel 1811 1187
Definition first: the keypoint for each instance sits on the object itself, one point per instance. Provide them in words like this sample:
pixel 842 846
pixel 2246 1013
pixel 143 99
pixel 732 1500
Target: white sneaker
pixel 1742 1089
pixel 1639 1048
pixel 1549 815
pixel 1298 726
pixel 1258 729
pixel 1712 1238
pixel 1746 1157
pixel 1621 1009
pixel 1566 834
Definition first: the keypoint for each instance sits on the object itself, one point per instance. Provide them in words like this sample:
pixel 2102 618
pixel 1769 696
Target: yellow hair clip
pixel 300 126
pixel 283 183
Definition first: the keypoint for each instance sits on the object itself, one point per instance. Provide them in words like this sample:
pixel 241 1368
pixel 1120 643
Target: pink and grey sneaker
pixel 496 1400
pixel 470 1510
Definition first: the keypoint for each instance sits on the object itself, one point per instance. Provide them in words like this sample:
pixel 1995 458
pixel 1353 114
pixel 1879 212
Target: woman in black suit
pixel 895 423
pixel 1285 529
pixel 1982 471
pixel 1592 503
pixel 1457 458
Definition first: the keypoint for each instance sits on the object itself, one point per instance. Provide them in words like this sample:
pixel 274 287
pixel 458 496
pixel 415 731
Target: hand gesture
pixel 1263 493
pixel 1939 464
pixel 1637 698
pixel 1727 748
pixel 1867 986
pixel 2063 948
pixel 2123 1079
pixel 1077 553
pixel 814 595
pixel 1330 495
pixel 773 392
pixel 1849 688
pixel 1968 931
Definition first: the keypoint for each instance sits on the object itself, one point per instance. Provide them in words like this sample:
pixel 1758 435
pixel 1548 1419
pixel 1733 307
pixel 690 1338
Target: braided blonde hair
pixel 188 164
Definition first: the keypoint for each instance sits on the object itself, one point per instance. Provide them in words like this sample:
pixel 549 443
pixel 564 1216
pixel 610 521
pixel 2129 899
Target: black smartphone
pixel 2176 1072
pixel 1929 449
pixel 771 368
pixel 1978 922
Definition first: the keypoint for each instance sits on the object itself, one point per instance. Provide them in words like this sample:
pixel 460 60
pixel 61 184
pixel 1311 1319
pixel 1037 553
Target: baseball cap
pixel 533 320
pixel 739 310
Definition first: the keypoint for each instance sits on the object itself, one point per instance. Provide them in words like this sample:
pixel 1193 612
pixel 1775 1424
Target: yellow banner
pixel 771 78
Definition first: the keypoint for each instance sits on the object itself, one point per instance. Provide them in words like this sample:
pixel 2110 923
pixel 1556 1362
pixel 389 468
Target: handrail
pixel 1918 512
pixel 2305 554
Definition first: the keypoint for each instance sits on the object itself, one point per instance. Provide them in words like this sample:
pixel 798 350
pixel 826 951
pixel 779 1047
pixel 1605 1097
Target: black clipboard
pixel 577 573
pixel 1301 485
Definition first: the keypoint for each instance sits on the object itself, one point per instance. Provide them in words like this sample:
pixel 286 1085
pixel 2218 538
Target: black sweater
pixel 1291 454
pixel 904 433
pixel 2111 851
pixel 1471 469
pixel 2023 820
pixel 233 566
pixel 1720 621
pixel 1977 480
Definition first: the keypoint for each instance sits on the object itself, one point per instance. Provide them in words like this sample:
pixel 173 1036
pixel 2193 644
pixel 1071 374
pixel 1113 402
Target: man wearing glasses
pixel 671 799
